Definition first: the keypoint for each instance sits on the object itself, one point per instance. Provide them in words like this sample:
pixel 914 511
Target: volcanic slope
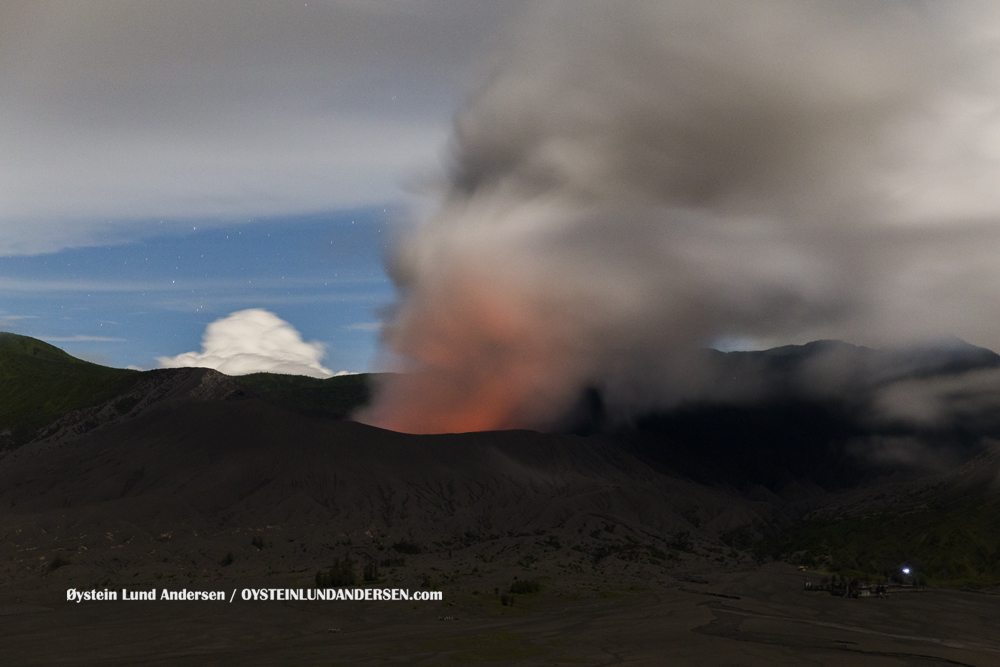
pixel 199 476
pixel 627 543
pixel 945 529
pixel 191 451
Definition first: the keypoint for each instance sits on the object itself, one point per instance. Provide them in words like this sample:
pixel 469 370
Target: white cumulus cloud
pixel 254 341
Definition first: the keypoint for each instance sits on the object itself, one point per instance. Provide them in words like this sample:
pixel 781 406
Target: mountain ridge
pixel 46 393
pixel 192 453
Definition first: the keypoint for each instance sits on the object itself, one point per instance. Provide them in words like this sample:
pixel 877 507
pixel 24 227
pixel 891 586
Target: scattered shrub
pixel 407 548
pixel 126 403
pixel 600 553
pixel 341 573
pixel 228 560
pixel 525 586
pixel 681 541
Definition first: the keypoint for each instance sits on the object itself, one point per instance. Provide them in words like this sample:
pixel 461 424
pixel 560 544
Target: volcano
pixel 190 479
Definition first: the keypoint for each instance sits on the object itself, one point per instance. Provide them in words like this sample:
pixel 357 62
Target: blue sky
pixel 127 304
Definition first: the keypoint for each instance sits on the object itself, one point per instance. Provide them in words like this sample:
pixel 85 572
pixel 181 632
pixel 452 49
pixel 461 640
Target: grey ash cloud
pixel 635 182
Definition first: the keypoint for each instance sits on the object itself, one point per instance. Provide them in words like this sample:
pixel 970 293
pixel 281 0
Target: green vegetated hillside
pixel 334 397
pixel 39 383
pixel 948 534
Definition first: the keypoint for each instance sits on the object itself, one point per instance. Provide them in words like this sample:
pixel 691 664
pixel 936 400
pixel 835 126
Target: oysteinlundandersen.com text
pixel 256 595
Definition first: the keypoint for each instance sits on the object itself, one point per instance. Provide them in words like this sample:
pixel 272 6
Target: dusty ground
pixel 707 616
pixel 636 565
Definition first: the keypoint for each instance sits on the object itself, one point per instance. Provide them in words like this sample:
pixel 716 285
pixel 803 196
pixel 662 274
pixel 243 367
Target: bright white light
pixel 906 570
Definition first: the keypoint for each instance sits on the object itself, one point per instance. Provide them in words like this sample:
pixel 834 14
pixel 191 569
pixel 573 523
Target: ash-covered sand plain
pixel 189 479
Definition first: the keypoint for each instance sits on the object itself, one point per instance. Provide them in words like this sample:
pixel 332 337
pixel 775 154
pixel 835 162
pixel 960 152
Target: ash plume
pixel 638 181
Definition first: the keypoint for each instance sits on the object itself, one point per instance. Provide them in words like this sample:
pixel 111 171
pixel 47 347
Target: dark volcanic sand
pixel 773 622
pixel 629 558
